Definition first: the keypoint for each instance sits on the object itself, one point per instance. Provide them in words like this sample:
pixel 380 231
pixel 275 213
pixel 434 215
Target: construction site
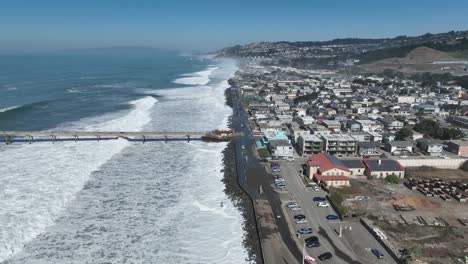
pixel 424 218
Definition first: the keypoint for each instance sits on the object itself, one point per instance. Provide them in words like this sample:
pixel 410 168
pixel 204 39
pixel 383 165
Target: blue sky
pixel 208 24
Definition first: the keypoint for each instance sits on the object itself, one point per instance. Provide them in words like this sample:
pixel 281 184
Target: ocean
pixel 115 201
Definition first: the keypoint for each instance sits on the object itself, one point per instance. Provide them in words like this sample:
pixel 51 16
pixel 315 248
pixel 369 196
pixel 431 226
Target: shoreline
pixel 239 198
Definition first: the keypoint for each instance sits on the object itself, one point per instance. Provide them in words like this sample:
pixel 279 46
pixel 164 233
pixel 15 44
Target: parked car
pixel 292 204
pixel 325 256
pixel 299 216
pixel 300 221
pixel 377 253
pixel 332 217
pixel 305 231
pixel 315 188
pixel 312 241
pixel 323 204
pixel 295 208
pixel 319 199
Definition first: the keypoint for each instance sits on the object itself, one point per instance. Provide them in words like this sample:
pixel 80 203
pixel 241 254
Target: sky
pixel 207 25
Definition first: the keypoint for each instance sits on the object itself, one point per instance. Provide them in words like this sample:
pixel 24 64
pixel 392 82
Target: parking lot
pixel 355 243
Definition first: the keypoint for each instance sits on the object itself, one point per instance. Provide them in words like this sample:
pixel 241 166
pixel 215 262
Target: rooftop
pixel 338 137
pixel 383 165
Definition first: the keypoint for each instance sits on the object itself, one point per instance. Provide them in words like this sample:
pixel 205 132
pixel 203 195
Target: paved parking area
pixel 355 243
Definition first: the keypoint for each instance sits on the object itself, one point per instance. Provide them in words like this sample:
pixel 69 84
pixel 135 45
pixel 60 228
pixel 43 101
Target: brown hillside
pixel 418 60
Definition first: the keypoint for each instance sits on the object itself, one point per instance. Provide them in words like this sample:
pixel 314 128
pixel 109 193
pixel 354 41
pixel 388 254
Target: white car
pixel 292 204
pixel 300 221
pixel 323 204
pixel 295 208
pixel 315 188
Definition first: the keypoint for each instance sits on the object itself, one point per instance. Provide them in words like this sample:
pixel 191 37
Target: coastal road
pixel 278 243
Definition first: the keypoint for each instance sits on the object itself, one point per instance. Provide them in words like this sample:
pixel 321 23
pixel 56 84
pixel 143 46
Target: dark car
pixel 377 253
pixel 305 231
pixel 332 217
pixel 325 256
pixel 299 216
pixel 312 241
pixel 319 199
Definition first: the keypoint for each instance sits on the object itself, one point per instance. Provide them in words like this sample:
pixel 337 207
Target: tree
pixel 403 133
pixel 392 178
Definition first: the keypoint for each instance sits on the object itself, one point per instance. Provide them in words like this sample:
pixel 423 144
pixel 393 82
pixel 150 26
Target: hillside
pixel 420 59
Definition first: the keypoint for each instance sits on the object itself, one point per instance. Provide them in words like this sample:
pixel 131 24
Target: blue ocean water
pixel 41 91
pixel 115 201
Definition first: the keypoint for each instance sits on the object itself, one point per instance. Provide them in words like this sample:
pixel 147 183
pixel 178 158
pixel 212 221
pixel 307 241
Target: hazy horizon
pixel 207 26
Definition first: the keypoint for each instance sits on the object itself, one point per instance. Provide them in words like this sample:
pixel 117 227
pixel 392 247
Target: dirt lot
pixel 431 231
pixel 430 173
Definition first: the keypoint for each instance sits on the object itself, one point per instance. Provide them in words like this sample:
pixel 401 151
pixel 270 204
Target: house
pixel 399 147
pixel 391 123
pixel 340 144
pixel 328 170
pixel 360 136
pixel 431 147
pixel 368 125
pixel 382 168
pixel 309 144
pixel 281 149
pixel 376 137
pixel 406 99
pixel 332 125
pixel 459 147
pixel 353 126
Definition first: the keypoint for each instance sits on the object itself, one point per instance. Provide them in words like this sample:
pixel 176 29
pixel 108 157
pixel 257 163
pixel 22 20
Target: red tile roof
pixel 324 162
pixel 331 177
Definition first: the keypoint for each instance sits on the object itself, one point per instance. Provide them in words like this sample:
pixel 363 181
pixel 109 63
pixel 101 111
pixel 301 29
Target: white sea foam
pixel 10 108
pixel 196 78
pixel 150 203
pixel 37 181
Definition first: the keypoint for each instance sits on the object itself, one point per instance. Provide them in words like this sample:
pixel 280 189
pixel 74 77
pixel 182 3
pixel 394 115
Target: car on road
pixel 377 253
pixel 332 217
pixel 305 231
pixel 243 146
pixel 300 221
pixel 299 216
pixel 290 159
pixel 312 241
pixel 319 199
pixel 323 204
pixel 325 256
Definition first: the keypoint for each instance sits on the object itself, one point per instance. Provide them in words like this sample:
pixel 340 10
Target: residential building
pixel 459 147
pixel 432 148
pixel 281 149
pixel 309 144
pixel 340 144
pixel 391 123
pixel 399 147
pixel 332 125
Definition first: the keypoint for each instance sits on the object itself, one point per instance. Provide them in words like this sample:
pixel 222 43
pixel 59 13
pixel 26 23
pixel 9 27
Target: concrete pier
pixel 35 136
